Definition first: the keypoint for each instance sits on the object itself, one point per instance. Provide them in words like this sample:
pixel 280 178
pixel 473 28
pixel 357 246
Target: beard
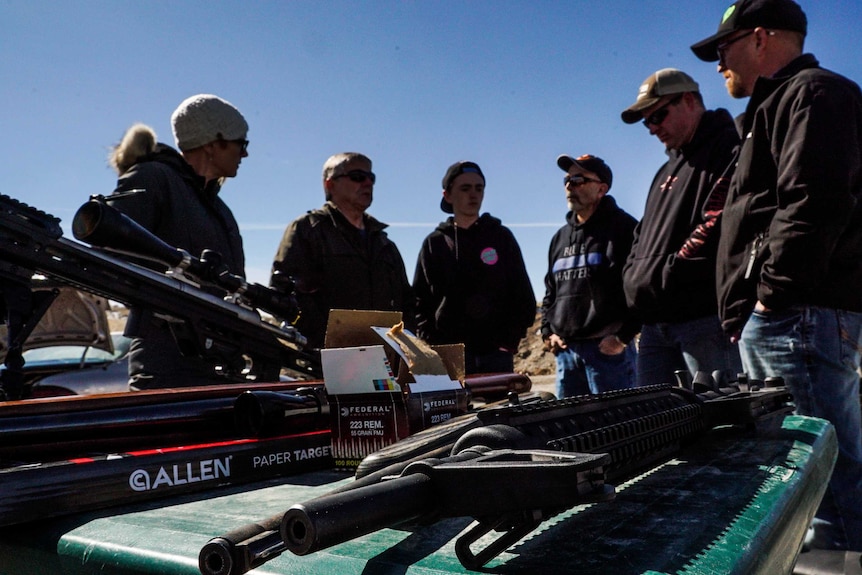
pixel 735 87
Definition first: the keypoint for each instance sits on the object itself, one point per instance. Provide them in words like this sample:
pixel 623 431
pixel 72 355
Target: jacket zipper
pixel 752 254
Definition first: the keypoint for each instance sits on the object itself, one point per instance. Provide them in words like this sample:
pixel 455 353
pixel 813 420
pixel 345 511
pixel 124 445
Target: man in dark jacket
pixel 585 320
pixel 670 274
pixel 790 256
pixel 175 195
pixel 471 284
pixel 339 256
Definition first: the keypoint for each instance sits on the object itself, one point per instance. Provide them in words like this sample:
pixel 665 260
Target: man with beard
pixel 790 255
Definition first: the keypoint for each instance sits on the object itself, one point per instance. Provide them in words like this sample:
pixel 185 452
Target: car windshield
pixel 77 354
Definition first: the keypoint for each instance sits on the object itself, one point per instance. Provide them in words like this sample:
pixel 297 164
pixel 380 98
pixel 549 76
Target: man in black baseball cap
pixel 748 15
pixel 790 248
pixel 585 321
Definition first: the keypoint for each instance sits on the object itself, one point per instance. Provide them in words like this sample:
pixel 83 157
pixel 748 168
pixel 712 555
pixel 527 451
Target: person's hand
pixel 611 345
pixel 760 308
pixel 554 343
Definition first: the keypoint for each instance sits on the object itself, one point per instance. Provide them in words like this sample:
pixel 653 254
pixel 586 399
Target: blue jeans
pixel 696 345
pixel 582 369
pixel 817 351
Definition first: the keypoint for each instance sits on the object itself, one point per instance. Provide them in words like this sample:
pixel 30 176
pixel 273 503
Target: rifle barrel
pixel 319 523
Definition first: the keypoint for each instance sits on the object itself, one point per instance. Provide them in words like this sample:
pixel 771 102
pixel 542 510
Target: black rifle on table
pixel 211 312
pixel 509 467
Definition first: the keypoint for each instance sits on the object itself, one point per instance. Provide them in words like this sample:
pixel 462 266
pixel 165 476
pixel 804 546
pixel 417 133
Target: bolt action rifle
pixel 509 467
pixel 211 313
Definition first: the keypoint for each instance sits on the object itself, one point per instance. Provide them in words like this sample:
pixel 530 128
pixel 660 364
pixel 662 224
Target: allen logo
pixel 181 474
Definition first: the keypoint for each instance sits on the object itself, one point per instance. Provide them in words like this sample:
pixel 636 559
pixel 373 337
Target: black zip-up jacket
pixel 337 266
pixel 180 209
pixel 472 287
pixel 792 227
pixel 670 274
pixel 584 287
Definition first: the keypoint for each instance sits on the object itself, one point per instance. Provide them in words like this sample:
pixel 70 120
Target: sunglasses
pixel 722 48
pixel 358 176
pixel 657 117
pixel 576 181
pixel 242 143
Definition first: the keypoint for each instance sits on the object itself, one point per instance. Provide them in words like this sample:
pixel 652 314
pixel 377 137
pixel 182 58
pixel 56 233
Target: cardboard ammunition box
pixel 374 405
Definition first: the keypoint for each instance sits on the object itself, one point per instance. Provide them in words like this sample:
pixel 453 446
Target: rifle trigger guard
pixel 475 561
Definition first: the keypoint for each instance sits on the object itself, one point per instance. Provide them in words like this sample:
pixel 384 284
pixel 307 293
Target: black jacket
pixel 178 208
pixel 663 281
pixel 584 287
pixel 337 266
pixel 792 227
pixel 472 287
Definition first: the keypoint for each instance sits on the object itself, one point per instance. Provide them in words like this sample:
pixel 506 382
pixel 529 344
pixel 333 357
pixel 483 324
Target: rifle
pixel 509 467
pixel 228 331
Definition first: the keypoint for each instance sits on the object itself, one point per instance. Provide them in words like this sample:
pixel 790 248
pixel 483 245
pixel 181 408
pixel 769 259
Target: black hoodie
pixel 663 283
pixel 584 286
pixel 472 287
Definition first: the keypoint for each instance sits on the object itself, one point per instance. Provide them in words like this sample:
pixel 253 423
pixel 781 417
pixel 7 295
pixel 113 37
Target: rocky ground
pixel 531 358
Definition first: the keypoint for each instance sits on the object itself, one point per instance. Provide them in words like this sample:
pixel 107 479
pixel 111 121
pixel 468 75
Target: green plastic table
pixel 732 503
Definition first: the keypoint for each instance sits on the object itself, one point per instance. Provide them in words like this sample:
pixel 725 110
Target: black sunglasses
pixel 242 143
pixel 578 181
pixel 722 48
pixel 657 117
pixel 358 176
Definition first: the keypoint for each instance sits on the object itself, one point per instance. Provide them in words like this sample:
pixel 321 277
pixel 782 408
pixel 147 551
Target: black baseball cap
pixel 453 172
pixel 589 163
pixel 749 14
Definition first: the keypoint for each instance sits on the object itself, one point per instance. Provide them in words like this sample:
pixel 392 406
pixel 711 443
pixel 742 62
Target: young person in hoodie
pixel 471 284
pixel 585 320
pixel 175 195
pixel 670 276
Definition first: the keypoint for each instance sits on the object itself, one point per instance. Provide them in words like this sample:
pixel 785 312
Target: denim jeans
pixel 582 369
pixel 817 352
pixel 696 345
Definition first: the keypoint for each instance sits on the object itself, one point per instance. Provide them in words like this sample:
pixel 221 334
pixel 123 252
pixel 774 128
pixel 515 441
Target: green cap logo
pixel 727 13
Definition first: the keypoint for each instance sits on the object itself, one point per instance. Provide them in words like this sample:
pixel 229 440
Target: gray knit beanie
pixel 201 119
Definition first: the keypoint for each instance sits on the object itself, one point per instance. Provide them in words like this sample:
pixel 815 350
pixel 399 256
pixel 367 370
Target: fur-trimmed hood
pixel 138 142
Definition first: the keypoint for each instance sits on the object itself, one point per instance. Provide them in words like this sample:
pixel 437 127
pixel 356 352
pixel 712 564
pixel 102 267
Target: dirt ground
pixel 531 358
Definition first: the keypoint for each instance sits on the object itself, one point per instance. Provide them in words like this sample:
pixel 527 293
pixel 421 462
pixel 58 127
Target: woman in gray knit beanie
pixel 175 195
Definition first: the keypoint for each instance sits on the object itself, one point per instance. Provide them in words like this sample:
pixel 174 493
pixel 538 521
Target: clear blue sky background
pixel 414 85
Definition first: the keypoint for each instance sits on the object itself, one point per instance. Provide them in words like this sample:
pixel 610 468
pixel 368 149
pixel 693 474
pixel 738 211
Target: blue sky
pixel 414 85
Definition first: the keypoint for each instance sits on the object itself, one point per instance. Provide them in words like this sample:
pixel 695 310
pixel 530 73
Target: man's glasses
pixel 358 176
pixel 576 181
pixel 722 48
pixel 657 117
